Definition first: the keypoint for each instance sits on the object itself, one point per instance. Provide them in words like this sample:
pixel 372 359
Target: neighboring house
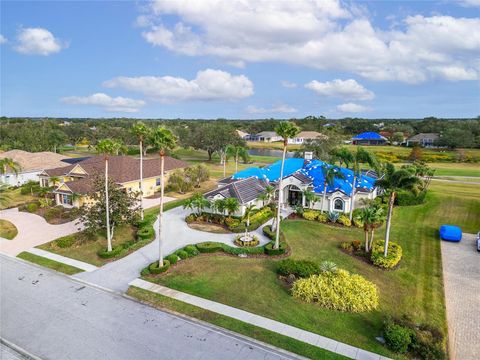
pixel 299 175
pixel 124 170
pixel 307 135
pixel 266 136
pixel 369 138
pixel 31 165
pixel 243 134
pixel 423 139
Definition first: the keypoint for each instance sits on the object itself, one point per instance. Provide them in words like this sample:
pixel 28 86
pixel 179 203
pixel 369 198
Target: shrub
pixel 310 215
pixel 269 250
pixel 428 346
pixel 268 232
pixel 191 250
pixel 338 290
pixel 53 213
pixel 299 268
pixel 190 218
pixel 116 251
pixel 172 259
pixel 243 250
pixel 333 216
pixel 257 219
pixel 66 241
pixel 407 198
pixel 347 245
pixel 322 217
pixel 31 207
pixel 44 203
pixel 145 271
pixel 154 269
pixel 182 254
pixel 145 233
pixel 328 266
pixel 209 247
pixel 357 245
pixel 231 222
pixel 242 243
pixel 397 337
pixel 344 220
pixel 393 258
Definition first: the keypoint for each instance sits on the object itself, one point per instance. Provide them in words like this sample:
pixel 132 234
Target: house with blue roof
pixel 369 138
pixel 298 175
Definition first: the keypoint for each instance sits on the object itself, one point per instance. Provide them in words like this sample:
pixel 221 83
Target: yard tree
pixel 107 147
pixel 141 132
pixel 77 132
pixel 9 164
pixel 4 196
pixel 370 216
pixel 310 197
pixel 237 152
pixel 286 130
pixel 321 147
pixel 392 181
pixel 416 154
pixel 163 140
pixel 197 174
pixel 249 210
pixel 231 205
pixel 219 205
pixel 330 173
pixel 343 156
pixel 122 208
pixel 177 181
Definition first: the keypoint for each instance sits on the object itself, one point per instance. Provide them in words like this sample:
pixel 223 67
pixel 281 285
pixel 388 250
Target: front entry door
pixel 294 198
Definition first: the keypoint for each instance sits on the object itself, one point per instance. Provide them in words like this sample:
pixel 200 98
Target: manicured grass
pixel 15 198
pixel 7 230
pixel 456 169
pixel 271 145
pixel 415 288
pixel 295 346
pixel 51 264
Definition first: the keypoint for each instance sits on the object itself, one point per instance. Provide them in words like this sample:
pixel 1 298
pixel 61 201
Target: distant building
pixel 306 135
pixel 423 139
pixel 243 134
pixel 32 164
pixel 369 138
pixel 266 136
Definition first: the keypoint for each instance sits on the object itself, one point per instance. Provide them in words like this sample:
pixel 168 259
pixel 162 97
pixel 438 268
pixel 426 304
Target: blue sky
pixel 228 59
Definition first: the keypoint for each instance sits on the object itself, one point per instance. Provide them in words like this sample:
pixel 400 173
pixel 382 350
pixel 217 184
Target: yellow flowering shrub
pixel 393 257
pixel 310 215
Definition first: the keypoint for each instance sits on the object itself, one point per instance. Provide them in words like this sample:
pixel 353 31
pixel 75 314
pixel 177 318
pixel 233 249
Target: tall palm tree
pixel 310 197
pixel 246 216
pixel 237 152
pixel 361 156
pixel 55 180
pixel 343 156
pixel 200 202
pixel 392 181
pixel 162 139
pixel 140 130
pixel 8 163
pixel 107 147
pixel 231 205
pixel 220 205
pixel 330 173
pixel 286 130
pixel 263 197
pixel 371 217
pixel 270 191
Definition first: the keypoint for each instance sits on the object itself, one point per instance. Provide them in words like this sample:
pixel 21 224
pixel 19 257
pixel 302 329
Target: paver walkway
pixel 461 274
pixel 260 321
pixel 62 259
pixel 33 230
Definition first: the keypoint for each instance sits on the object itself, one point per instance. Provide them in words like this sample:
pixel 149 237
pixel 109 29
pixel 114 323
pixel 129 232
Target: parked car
pixel 478 241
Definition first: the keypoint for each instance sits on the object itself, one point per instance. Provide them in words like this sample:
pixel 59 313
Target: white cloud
pixel 3 39
pixel 469 3
pixel 285 109
pixel 352 108
pixel 346 89
pixel 208 85
pixel 288 84
pixel 320 34
pixel 37 41
pixel 116 104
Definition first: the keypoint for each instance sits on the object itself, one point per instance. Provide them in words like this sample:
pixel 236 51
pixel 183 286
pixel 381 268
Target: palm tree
pixel 392 181
pixel 359 157
pixel 6 163
pixel 310 197
pixel 163 140
pixel 141 132
pixel 287 130
pixel 246 216
pixel 237 151
pixel 343 156
pixel 189 204
pixel 55 180
pixel 231 205
pixel 263 197
pixel 330 173
pixel 371 217
pixel 107 147
pixel 200 202
pixel 220 205
pixel 4 197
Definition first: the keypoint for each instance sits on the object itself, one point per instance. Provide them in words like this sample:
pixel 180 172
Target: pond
pixel 270 152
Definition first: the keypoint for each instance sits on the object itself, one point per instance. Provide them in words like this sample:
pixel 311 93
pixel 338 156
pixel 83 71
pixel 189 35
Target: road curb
pixel 19 349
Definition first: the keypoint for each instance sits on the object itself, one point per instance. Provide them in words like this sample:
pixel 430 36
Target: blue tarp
pixel 450 233
pixel 271 172
pixel 369 135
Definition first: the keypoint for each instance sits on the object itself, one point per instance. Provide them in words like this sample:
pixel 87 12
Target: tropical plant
pixel 237 152
pixel 199 202
pixel 55 180
pixel 263 197
pixel 249 209
pixel 140 130
pixel 310 198
pixel 333 216
pixel 8 163
pixel 286 130
pixel 392 181
pixel 4 197
pixel 330 173
pixel 162 139
pixel 343 156
pixel 219 205
pixel 108 147
pixel 371 217
pixel 231 205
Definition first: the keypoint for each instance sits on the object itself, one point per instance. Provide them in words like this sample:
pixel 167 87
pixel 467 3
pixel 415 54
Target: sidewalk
pixel 62 259
pixel 260 321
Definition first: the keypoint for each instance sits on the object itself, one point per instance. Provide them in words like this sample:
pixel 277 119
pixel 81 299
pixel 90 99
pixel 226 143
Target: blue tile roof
pixel 369 135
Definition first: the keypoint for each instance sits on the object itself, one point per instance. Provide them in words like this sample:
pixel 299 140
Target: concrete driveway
pixel 116 275
pixel 461 273
pixel 33 230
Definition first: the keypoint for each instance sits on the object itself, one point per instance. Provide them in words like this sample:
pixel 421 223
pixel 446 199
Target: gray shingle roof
pixel 244 190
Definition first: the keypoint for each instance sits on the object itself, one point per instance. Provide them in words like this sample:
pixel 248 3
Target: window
pixel 65 199
pixel 158 181
pixel 338 205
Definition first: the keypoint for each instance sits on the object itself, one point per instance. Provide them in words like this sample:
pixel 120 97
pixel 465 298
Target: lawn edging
pixel 48 263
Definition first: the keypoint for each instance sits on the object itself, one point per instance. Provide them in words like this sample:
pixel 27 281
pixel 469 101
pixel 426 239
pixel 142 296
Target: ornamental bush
pixel 191 250
pixel 116 251
pixel 333 216
pixel 397 337
pixel 154 269
pixel 407 198
pixel 269 250
pixel 190 218
pixel 182 254
pixel 299 268
pixel 344 220
pixel 209 247
pixel 268 232
pixel 145 233
pixel 172 259
pixel 338 290
pixel 322 217
pixel 31 207
pixel 65 242
pixel 310 215
pixel 393 258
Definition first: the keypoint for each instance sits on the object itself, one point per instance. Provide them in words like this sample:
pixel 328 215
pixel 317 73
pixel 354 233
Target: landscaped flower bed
pixel 376 256
pixel 52 214
pixel 250 241
pixel 331 218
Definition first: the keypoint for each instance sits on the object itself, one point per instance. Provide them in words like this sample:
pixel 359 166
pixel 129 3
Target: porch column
pixel 303 200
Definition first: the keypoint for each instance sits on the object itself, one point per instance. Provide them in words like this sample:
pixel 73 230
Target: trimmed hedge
pixel 191 250
pixel 298 268
pixel 269 250
pixel 393 257
pixel 182 254
pixel 209 247
pixel 116 251
pixel 397 338
pixel 154 269
pixel 338 290
pixel 31 207
pixel 407 198
pixel 146 232
pixel 172 259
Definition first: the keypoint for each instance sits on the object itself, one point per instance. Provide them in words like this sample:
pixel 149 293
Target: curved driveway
pixel 33 230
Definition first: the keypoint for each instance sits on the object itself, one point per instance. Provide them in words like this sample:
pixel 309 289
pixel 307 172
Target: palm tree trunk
pixel 107 208
pixel 366 240
pixel 224 160
pixel 371 239
pixel 160 215
pixel 389 222
pixel 141 179
pixel 352 197
pixel 324 196
pixel 277 224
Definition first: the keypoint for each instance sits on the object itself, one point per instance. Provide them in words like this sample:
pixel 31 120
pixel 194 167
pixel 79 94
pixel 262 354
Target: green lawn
pixel 15 198
pixel 51 264
pixel 7 230
pixel 415 288
pixel 456 169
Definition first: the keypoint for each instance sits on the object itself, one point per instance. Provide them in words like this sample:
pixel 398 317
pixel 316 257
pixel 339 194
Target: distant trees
pixel 456 138
pixel 185 180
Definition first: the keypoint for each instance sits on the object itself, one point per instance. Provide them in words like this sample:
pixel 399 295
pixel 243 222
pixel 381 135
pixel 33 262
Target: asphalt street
pixel 56 317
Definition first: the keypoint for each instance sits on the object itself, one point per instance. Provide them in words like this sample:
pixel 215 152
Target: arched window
pixel 338 205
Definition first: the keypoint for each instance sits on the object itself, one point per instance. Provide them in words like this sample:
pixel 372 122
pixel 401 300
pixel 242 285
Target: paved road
pixel 461 272
pixel 56 317
pixel 33 230
pixel 116 275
